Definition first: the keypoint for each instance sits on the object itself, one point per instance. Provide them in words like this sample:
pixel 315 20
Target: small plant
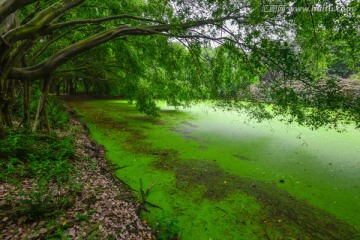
pixel 44 200
pixel 58 230
pixel 144 195
pixel 83 217
pixel 166 228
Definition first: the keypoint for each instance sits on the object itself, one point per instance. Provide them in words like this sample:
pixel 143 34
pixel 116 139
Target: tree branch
pixel 47 44
pixel 100 20
pixel 48 66
pixel 38 23
pixel 8 7
pixel 32 13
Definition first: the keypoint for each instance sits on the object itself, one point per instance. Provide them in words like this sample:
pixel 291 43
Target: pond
pixel 219 176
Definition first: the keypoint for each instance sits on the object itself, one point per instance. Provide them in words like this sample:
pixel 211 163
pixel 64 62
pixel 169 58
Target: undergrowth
pixel 40 169
pixel 58 118
pixel 45 160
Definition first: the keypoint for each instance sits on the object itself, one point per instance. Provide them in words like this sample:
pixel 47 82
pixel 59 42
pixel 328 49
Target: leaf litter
pixel 104 208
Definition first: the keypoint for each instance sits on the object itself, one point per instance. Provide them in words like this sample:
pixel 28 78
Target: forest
pixel 144 119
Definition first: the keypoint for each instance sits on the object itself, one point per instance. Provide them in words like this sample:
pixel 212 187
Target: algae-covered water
pixel 221 177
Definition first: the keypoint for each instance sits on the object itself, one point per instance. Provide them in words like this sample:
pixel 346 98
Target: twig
pixel 219 208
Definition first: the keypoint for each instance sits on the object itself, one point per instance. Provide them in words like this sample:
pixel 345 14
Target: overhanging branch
pixel 8 7
pixel 39 23
pixel 52 63
pixel 100 20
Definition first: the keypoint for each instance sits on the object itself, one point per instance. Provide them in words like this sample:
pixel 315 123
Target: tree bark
pixel 86 87
pixel 41 119
pixel 2 103
pixel 57 89
pixel 5 102
pixel 8 7
pixel 71 87
pixel 2 124
pixel 26 103
pixel 6 113
pixel 64 87
pixel 40 21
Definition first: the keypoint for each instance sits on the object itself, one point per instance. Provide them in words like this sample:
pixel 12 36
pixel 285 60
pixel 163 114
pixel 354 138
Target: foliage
pixel 185 51
pixel 58 117
pixel 46 160
pixel 36 155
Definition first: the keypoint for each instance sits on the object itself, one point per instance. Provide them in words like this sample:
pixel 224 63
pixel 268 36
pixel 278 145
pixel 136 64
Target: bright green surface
pixel 221 178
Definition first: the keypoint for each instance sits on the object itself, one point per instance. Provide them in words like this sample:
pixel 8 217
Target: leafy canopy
pixel 278 52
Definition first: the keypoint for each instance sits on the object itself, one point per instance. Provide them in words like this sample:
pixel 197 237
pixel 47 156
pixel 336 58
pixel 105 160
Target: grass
pixel 208 193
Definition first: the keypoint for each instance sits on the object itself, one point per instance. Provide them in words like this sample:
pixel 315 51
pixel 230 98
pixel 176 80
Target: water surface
pixel 221 177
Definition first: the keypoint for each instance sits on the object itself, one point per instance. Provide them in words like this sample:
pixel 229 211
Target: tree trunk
pixel 9 98
pixel 2 102
pixel 26 103
pixel 72 90
pixel 2 124
pixel 58 89
pixel 5 119
pixel 41 119
pixel 75 87
pixel 5 104
pixel 6 114
pixel 86 87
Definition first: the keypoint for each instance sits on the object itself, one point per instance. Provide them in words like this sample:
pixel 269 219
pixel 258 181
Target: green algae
pixel 215 187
